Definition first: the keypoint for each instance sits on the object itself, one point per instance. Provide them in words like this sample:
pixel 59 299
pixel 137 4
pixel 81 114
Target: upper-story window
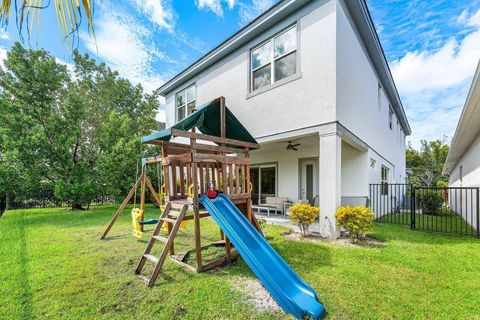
pixel 390 119
pixel 185 102
pixel 274 60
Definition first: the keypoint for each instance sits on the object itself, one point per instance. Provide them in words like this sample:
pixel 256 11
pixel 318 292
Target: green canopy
pixel 207 120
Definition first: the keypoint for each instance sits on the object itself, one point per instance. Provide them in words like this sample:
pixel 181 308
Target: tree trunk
pixel 77 207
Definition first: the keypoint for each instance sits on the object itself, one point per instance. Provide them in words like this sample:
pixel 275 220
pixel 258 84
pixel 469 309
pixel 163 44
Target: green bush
pixel 431 201
pixel 356 219
pixel 303 215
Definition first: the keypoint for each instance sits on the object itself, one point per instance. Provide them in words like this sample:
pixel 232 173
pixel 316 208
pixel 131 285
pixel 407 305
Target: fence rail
pixel 48 201
pixel 453 210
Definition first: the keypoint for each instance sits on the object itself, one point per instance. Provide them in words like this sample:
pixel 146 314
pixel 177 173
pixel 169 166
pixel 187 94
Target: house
pixel 310 81
pixel 463 159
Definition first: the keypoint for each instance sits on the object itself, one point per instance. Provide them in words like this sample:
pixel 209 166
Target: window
pixel 384 180
pixel 264 182
pixel 379 97
pixel 390 119
pixel 274 60
pixel 460 173
pixel 185 102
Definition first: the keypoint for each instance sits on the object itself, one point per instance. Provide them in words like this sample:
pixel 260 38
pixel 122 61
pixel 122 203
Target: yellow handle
pixel 190 191
pixel 251 187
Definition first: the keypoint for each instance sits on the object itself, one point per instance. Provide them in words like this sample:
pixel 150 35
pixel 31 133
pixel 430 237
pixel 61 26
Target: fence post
pixel 413 201
pixel 478 212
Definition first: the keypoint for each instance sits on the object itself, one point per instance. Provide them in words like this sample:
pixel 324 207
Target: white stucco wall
pixel 465 202
pixel 470 163
pixel 358 105
pixel 306 101
pixel 354 172
pixel 287 167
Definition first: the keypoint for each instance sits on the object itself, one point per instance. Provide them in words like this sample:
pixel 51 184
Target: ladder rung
pixel 160 238
pixel 151 258
pixel 144 279
pixel 174 213
pixel 178 206
pixel 168 220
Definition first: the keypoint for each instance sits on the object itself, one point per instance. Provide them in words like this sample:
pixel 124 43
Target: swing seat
pixel 148 221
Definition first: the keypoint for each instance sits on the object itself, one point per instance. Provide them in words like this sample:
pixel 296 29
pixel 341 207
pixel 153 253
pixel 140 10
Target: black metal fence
pixel 47 200
pixel 452 210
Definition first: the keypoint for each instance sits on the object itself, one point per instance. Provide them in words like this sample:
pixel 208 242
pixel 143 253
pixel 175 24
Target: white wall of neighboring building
pixel 470 164
pixel 307 100
pixel 362 107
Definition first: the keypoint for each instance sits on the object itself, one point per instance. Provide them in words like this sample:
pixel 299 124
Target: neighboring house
pixel 310 81
pixel 463 159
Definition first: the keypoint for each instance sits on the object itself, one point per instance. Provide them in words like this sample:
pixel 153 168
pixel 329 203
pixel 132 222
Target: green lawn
pixel 447 222
pixel 52 265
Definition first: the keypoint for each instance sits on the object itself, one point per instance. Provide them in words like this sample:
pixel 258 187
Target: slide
pixel 286 287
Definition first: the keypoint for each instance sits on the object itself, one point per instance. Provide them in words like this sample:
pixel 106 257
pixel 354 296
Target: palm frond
pixel 69 13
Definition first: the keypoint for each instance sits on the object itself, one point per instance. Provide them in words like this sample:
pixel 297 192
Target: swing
pixel 137 214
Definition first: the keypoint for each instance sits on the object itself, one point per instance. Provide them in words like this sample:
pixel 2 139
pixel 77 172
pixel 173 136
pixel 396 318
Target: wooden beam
pixel 122 206
pixel 200 157
pixel 194 135
pixel 215 148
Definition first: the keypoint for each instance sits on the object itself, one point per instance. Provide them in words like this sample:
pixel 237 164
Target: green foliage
pixel 74 132
pixel 431 201
pixel 303 215
pixel 356 219
pixel 427 163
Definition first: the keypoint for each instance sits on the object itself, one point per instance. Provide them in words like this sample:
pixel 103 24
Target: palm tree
pixel 69 13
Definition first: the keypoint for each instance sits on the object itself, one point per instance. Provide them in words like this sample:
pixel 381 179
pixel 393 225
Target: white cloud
pixel 4 35
pixel 450 65
pixel 3 56
pixel 158 12
pixel 250 11
pixel 434 84
pixel 216 6
pixel 126 46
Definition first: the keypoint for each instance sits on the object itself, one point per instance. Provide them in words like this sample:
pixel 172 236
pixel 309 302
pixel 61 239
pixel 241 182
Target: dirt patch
pixel 342 241
pixel 256 295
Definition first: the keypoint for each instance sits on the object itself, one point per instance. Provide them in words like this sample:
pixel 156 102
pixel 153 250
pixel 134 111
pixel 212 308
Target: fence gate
pixel 452 210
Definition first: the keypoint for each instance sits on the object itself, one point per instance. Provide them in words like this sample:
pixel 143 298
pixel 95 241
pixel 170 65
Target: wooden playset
pixel 211 152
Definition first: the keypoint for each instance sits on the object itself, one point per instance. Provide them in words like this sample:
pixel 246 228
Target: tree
pixel 78 132
pixel 69 14
pixel 427 163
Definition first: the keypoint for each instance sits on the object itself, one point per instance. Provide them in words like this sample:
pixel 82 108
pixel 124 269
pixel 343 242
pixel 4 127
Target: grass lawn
pixel 52 265
pixel 447 222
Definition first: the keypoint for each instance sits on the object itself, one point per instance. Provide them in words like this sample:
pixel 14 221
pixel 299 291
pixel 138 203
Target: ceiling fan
pixel 293 146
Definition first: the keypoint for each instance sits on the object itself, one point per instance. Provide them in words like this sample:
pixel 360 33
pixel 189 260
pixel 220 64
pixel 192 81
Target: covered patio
pixel 325 170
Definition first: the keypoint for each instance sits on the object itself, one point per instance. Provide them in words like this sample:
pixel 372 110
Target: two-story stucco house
pixel 310 81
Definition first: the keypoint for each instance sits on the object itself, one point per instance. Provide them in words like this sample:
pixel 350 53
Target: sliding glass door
pixel 264 182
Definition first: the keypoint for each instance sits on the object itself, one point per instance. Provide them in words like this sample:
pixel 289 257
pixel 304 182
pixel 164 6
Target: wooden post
pixel 122 206
pixel 196 210
pixel 142 195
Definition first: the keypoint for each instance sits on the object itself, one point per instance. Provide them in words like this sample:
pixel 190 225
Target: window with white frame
pixel 274 60
pixel 384 180
pixel 390 119
pixel 185 102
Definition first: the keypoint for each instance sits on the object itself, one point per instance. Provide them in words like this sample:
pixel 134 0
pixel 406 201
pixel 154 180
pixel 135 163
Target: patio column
pixel 330 179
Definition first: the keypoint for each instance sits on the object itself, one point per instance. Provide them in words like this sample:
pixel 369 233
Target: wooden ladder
pixel 165 217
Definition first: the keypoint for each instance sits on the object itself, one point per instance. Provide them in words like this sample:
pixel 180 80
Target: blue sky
pixel 432 46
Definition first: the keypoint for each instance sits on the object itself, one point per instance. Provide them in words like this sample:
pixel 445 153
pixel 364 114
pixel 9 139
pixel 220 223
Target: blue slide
pixel 287 288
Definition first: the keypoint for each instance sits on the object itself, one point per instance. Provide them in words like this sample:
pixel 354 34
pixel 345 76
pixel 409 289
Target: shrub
pixel 356 219
pixel 303 215
pixel 431 201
